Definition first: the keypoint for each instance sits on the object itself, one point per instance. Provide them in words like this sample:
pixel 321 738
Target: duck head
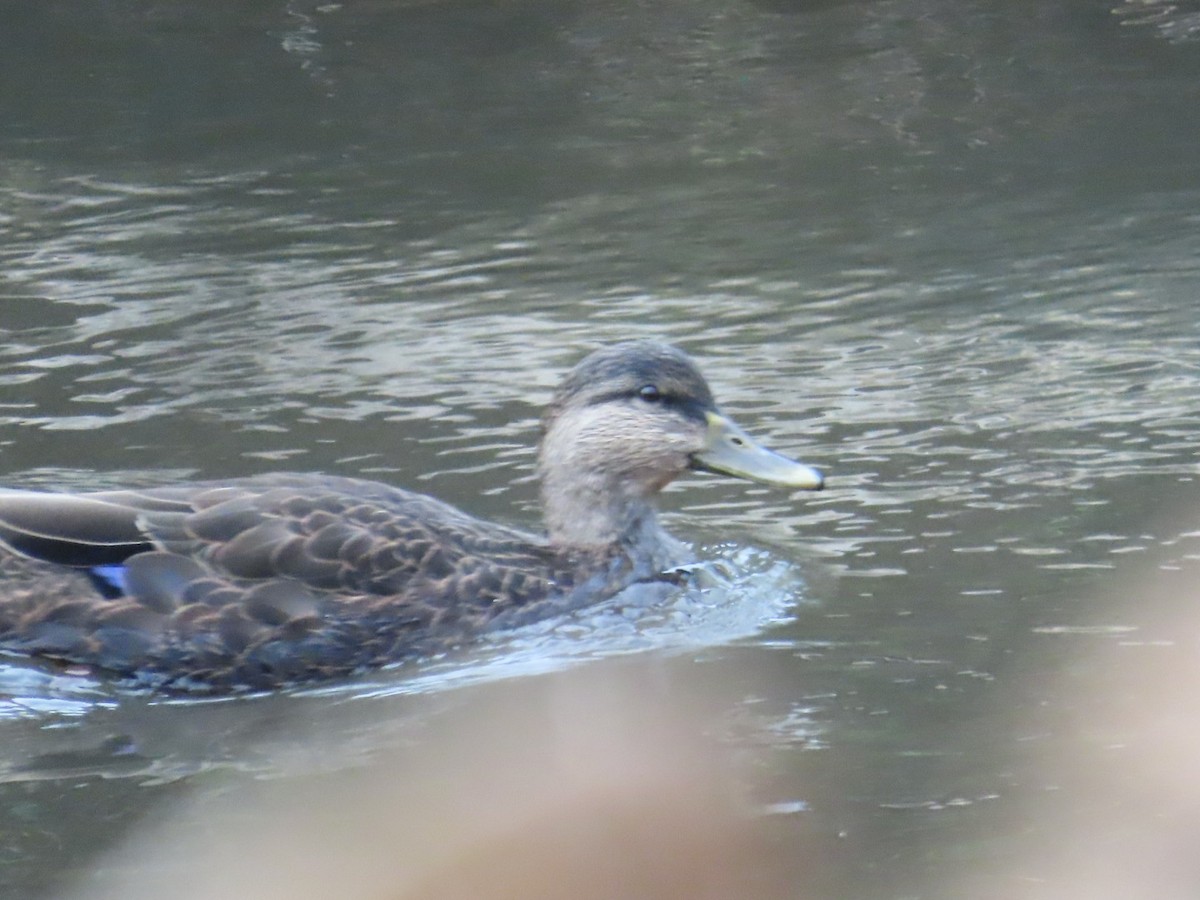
pixel 624 423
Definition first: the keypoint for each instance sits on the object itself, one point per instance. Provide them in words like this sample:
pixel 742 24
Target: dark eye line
pixel 682 404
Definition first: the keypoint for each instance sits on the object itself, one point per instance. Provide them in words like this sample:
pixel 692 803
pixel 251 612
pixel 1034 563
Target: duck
pixel 271 580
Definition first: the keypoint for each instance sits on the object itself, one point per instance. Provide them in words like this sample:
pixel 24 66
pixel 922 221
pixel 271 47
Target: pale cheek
pixel 657 484
pixel 658 466
pixel 623 449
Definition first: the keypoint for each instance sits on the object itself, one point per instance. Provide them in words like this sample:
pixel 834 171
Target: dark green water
pixel 947 251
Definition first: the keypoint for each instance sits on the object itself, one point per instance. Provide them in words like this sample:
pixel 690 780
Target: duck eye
pixel 649 393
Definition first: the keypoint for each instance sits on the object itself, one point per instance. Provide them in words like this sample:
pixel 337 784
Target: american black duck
pixel 259 582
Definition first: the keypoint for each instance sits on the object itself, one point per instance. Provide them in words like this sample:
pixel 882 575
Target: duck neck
pixel 589 512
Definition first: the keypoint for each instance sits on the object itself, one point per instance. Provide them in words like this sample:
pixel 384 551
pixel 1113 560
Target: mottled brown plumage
pixel 275 579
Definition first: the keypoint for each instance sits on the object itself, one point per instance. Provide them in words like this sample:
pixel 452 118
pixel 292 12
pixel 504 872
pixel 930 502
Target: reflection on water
pixel 946 251
pixel 27 692
pixel 1175 22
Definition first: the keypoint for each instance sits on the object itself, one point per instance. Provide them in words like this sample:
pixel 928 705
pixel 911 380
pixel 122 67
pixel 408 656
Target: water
pixel 945 251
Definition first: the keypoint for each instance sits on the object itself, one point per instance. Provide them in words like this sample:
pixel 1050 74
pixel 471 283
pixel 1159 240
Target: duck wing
pixel 326 533
pixel 70 530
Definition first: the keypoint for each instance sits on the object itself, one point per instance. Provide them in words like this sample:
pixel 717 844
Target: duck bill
pixel 730 451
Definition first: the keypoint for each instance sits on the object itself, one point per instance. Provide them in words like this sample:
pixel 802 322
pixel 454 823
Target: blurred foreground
pixel 579 785
pixel 609 782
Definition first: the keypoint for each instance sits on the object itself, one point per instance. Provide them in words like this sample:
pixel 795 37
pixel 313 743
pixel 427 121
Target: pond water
pixel 947 251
